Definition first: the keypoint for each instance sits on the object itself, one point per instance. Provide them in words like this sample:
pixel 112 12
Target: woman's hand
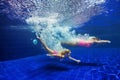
pixel 108 41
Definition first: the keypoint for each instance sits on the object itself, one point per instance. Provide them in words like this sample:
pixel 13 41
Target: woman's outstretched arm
pixel 103 41
pixel 44 45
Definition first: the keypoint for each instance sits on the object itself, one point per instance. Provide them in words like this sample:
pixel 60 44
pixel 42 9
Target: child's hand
pixel 78 61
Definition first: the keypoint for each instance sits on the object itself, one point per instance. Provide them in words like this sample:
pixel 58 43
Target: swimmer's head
pixel 93 38
pixel 66 52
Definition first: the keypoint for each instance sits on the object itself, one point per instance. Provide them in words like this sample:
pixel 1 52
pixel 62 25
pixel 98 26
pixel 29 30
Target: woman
pixel 85 43
pixel 61 54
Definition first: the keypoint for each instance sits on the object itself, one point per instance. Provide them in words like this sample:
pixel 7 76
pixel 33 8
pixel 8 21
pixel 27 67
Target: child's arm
pixel 71 58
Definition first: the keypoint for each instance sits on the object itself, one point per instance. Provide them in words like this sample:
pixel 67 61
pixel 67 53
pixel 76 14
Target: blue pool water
pixel 20 59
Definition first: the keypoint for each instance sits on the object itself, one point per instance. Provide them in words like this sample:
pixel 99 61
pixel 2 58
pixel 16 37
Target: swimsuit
pixel 55 52
pixel 82 43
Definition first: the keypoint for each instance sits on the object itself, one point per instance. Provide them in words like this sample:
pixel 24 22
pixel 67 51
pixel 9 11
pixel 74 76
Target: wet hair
pixel 66 51
pixel 94 38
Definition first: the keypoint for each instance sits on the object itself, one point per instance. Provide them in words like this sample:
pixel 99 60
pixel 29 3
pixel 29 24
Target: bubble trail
pixel 54 20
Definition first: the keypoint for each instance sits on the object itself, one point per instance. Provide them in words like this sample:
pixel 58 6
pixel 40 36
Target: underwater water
pixel 22 56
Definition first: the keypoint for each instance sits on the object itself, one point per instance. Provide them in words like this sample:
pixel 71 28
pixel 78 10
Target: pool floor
pixel 96 64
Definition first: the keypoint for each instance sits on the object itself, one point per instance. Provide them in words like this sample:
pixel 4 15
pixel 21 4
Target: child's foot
pixel 48 54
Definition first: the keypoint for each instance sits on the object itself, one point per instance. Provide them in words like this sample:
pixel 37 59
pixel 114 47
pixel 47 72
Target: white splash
pixel 55 19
